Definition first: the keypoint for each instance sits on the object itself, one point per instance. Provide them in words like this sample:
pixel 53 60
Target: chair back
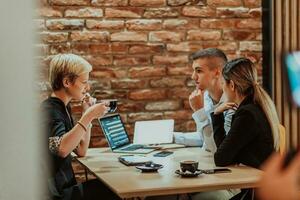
pixel 282 139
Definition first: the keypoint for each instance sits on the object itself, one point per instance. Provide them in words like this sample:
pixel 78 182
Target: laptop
pixel 155 133
pixel 117 137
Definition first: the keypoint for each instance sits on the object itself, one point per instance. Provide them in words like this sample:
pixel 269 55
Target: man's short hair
pixel 209 53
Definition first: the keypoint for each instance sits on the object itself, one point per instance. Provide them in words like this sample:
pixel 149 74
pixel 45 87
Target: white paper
pixel 153 132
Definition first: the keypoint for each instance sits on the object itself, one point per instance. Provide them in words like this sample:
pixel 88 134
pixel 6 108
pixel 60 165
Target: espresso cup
pixel 112 104
pixel 189 165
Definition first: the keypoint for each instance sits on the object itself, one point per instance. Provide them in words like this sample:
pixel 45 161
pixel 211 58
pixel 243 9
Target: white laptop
pixel 158 133
pixel 117 136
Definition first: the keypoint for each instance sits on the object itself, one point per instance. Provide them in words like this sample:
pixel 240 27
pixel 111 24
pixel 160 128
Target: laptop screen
pixel 114 131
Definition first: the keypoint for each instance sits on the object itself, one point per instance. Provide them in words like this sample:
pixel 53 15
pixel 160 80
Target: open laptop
pixel 117 137
pixel 155 133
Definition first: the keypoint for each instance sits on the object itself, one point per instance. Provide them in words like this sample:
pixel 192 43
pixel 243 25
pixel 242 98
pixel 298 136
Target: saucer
pixel 149 167
pixel 187 173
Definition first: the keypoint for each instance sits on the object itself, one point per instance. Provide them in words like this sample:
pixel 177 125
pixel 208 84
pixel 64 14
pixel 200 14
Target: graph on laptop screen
pixel 114 131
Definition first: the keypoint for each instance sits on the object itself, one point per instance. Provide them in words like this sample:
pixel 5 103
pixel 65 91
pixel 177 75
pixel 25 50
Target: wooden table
pixel 129 182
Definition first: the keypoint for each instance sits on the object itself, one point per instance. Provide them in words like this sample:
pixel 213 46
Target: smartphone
pixel 289 157
pixel 163 154
pixel 292 69
pixel 216 170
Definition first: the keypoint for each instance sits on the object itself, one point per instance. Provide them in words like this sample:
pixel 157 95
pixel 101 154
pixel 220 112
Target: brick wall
pixel 139 48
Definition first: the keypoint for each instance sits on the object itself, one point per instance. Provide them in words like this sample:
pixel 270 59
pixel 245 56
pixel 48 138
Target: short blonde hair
pixel 66 65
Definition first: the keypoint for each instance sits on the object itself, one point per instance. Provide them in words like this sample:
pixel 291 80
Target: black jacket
pixel 56 123
pixel 249 140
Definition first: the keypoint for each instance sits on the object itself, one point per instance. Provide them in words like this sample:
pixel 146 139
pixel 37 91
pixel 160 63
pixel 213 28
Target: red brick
pixel 99 60
pixel 180 59
pixel 176 71
pixel 184 126
pixel 186 104
pixel 224 3
pixel 129 37
pixel 109 94
pixel 255 12
pixel 193 11
pixel 161 13
pixel 117 47
pixel 179 114
pixel 147 3
pixel 130 106
pixel 101 73
pixel 80 48
pixel 64 24
pixel 129 12
pixel 168 82
pixel 184 47
pixel 49 12
pixel 162 105
pixel 217 23
pixel 99 48
pixel 84 12
pixel 204 35
pixel 69 2
pixel 59 48
pixel 166 36
pixel 238 35
pixel 148 94
pixel 253 56
pixel 109 2
pixel 54 37
pixel 223 45
pixel 129 84
pixel 131 60
pixel 249 23
pixel 238 12
pixel 105 24
pixel 135 72
pixel 89 36
pixel 258 36
pixel 252 3
pixel 181 24
pixel 141 116
pixel 148 49
pixel 250 46
pixel 143 24
pixel 186 2
pixel 182 93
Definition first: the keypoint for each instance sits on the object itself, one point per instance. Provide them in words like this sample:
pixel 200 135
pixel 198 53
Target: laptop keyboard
pixel 133 147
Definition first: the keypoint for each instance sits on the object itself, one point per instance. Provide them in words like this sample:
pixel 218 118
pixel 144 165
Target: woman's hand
pixel 97 110
pixel 87 102
pixel 225 106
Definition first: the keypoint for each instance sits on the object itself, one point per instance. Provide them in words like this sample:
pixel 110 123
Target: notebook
pixel 117 137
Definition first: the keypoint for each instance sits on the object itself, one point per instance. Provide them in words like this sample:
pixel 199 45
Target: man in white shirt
pixel 207 65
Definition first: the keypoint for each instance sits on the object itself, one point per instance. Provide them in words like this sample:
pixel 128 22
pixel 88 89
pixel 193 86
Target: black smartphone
pixel 289 157
pixel 162 154
pixel 216 170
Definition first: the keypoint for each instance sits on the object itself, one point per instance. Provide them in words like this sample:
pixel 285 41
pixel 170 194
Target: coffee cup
pixel 189 165
pixel 112 104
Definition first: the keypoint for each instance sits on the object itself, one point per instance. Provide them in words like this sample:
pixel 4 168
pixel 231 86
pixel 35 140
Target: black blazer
pixel 249 140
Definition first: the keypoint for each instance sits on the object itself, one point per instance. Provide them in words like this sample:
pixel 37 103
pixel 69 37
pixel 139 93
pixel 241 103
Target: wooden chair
pixel 282 139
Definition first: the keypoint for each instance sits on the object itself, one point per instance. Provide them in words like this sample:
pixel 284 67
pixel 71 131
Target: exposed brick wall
pixel 139 48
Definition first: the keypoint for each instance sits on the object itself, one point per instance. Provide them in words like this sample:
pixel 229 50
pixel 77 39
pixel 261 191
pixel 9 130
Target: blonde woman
pixel 69 75
pixel 253 135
